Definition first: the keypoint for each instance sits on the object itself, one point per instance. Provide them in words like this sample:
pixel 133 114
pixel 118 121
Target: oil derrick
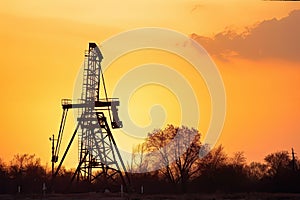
pixel 98 152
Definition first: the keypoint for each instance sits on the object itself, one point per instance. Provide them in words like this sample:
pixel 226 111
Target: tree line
pixel 194 167
pixel 171 160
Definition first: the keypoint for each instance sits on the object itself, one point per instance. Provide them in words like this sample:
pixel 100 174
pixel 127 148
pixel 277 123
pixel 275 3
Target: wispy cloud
pixel 274 38
pixel 196 7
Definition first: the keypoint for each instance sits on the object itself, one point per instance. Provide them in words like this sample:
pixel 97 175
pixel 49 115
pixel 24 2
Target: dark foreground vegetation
pixel 215 173
pixel 117 196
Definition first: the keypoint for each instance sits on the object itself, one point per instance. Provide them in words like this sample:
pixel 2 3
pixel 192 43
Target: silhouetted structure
pixel 98 152
pixel 293 159
pixel 275 174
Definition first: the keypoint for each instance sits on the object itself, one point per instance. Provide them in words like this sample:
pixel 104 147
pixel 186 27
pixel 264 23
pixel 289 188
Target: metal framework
pixel 98 151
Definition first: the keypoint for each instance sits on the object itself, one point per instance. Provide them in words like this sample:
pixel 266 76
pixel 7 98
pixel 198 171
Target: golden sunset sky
pixel 255 45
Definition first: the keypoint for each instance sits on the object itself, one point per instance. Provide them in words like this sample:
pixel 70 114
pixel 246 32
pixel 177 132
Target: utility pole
pixel 52 153
pixel 53 159
pixel 293 161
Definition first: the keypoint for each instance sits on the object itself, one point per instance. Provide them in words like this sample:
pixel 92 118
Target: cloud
pixel 269 39
pixel 197 7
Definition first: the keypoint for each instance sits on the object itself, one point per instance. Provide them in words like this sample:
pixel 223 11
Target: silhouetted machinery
pixel 98 152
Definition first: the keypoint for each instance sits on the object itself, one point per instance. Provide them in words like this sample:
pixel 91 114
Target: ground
pixel 101 196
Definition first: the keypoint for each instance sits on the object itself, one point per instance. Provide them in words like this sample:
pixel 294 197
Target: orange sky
pixel 43 45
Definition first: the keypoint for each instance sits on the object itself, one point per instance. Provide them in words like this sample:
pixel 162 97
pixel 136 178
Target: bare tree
pixel 277 161
pixel 256 170
pixel 3 177
pixel 175 152
pixel 26 170
pixel 238 159
pixel 215 159
pixel 138 163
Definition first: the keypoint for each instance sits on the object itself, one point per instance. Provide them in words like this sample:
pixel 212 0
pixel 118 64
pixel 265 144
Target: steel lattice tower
pixel 98 152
